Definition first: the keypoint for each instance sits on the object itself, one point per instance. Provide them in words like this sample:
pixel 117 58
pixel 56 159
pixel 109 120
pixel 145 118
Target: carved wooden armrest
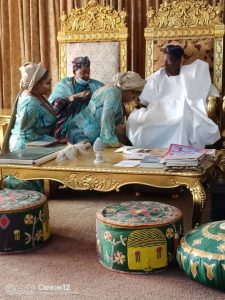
pixel 216 112
pixel 212 108
pixel 222 125
pixel 223 106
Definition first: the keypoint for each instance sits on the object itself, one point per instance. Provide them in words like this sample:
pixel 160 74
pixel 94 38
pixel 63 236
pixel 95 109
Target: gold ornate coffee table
pixel 83 174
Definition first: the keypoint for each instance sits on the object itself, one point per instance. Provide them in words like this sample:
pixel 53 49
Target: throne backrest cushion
pixel 104 57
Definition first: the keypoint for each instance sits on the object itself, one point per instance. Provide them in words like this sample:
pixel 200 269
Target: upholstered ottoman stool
pixel 24 220
pixel 201 254
pixel 138 236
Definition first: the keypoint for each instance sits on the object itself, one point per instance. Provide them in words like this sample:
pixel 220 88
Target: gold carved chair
pixel 198 27
pixel 98 32
pixel 5 115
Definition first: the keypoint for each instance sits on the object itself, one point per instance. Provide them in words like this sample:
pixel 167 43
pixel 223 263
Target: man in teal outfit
pixel 72 93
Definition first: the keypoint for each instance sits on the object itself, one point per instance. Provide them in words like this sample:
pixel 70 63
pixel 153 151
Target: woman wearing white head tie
pixel 32 119
pixel 105 110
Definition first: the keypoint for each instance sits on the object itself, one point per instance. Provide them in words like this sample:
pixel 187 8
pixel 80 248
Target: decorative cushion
pixel 201 254
pixel 138 236
pixel 104 57
pixel 24 220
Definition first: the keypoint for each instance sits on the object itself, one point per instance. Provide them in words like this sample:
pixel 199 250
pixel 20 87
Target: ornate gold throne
pixel 198 27
pixel 98 32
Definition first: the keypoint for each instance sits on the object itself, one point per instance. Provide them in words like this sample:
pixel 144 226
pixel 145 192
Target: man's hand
pixel 85 95
pixel 62 140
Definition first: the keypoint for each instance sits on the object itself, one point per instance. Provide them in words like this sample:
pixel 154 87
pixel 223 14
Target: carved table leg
pixel 47 187
pixel 199 196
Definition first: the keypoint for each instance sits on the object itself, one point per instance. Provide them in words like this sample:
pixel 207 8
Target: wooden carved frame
pixel 93 23
pixel 187 19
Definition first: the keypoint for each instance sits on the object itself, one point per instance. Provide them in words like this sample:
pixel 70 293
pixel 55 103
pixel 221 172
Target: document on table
pixel 131 150
pixel 152 165
pixel 128 163
pixel 127 148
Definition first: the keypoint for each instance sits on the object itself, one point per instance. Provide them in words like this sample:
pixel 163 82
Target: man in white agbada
pixel 174 103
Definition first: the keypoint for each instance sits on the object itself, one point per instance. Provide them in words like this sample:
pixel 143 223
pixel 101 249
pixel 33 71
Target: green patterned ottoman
pixel 138 236
pixel 201 254
pixel 24 220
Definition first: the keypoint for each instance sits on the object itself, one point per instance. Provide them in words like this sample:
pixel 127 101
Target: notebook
pixel 31 156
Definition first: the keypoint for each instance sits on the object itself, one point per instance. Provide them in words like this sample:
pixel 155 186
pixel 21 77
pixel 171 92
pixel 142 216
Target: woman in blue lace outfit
pixel 105 110
pixel 33 118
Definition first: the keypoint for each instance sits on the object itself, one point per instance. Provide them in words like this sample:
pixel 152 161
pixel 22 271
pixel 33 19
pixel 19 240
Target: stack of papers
pixel 153 162
pixel 183 157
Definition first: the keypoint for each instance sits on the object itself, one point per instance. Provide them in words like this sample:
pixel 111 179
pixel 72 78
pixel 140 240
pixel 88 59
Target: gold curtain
pixel 28 32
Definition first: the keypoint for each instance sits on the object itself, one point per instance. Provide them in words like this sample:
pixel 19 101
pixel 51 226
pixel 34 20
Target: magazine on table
pixel 180 152
pixel 181 156
pixel 31 156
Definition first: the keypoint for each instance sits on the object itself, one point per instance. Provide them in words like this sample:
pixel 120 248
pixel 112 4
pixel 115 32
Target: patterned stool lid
pixel 207 240
pixel 15 200
pixel 139 214
pixel 201 254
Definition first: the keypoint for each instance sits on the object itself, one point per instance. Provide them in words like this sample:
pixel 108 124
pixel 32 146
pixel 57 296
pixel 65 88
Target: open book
pixel 31 156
